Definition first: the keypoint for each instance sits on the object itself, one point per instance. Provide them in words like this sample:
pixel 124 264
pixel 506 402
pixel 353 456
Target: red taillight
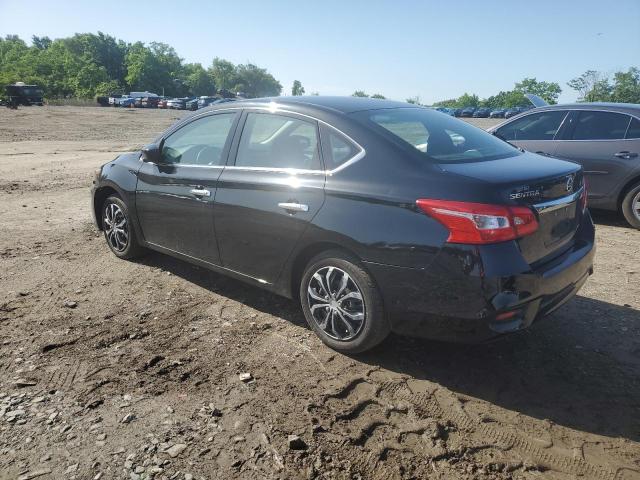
pixel 583 196
pixel 479 223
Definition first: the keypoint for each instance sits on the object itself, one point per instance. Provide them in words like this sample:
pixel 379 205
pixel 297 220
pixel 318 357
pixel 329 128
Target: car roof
pixel 325 103
pixel 633 108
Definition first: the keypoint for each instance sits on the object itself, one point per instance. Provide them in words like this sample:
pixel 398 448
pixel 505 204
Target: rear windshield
pixel 439 137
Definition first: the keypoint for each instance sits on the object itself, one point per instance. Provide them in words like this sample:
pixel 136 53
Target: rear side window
pixel 278 141
pixel 438 137
pixel 336 148
pixel 600 126
pixel 634 129
pixel 536 126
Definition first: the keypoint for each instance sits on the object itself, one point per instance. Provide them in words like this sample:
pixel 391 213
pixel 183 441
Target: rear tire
pixel 342 304
pixel 118 230
pixel 631 206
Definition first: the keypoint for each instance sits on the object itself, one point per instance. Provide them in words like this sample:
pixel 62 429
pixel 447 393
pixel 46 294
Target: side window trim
pixel 233 154
pixel 325 131
pixel 565 125
pixel 226 149
pixel 626 133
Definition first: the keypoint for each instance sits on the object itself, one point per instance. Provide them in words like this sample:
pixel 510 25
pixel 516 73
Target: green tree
pixel 466 100
pixel 224 74
pixel 507 99
pixel 626 86
pixel 154 68
pixel 377 95
pixel 414 100
pixel 88 77
pixel 41 43
pixel 197 80
pixel 254 82
pixel 101 50
pixel 143 70
pixel 548 91
pixel 106 88
pixel 297 88
pixel 359 93
pixel 592 86
pixel 451 103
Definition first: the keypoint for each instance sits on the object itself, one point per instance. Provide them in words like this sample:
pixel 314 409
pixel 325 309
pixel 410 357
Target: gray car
pixel 603 137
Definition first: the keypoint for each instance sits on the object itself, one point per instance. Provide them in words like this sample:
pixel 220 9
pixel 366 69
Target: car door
pixel 596 139
pixel 175 198
pixel 534 132
pixel 268 195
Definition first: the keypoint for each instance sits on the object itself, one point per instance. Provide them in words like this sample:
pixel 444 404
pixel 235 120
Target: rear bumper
pixel 461 296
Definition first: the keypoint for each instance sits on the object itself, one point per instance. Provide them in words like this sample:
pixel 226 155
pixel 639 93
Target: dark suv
pixel 376 215
pixel 602 137
pixel 21 94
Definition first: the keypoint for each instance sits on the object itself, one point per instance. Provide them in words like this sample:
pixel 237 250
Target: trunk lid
pixel 550 187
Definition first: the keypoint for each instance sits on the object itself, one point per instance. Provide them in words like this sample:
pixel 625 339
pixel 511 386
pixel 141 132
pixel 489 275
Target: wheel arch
pixel 305 255
pixel 628 186
pixel 99 197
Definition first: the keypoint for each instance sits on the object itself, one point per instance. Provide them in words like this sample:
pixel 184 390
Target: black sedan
pixel 377 216
pixel 468 112
pixel 497 113
pixel 512 112
pixel 482 112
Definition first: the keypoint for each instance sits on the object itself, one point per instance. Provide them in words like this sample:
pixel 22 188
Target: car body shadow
pixel 609 218
pixel 579 368
pixel 228 287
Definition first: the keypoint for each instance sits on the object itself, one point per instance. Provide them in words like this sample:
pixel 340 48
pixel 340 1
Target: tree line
pixel 592 86
pixel 86 65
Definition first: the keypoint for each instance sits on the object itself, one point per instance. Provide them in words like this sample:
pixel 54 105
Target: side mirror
pixel 151 153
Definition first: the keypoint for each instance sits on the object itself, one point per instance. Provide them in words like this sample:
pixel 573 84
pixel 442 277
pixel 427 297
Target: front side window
pixel 537 126
pixel 200 142
pixel 600 126
pixel 439 137
pixel 278 141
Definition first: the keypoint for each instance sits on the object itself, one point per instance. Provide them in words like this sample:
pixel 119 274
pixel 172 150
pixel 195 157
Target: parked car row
pixel 152 100
pixel 483 112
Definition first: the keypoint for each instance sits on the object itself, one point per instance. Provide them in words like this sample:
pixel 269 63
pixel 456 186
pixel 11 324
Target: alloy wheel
pixel 336 303
pixel 116 227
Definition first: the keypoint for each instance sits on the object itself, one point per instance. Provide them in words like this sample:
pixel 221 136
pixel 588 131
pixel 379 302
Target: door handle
pixel 200 192
pixel 625 155
pixel 294 207
pixel 540 152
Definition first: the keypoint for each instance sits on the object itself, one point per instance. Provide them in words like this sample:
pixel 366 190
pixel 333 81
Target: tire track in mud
pixel 444 406
pixel 67 376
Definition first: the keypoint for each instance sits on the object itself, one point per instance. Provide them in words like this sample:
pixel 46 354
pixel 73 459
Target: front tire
pixel 342 304
pixel 631 206
pixel 118 230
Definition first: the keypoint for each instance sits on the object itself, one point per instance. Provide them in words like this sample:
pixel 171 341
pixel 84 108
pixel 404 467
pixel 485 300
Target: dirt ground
pixel 116 369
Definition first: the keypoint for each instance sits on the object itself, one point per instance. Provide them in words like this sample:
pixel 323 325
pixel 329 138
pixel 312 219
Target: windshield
pixel 438 136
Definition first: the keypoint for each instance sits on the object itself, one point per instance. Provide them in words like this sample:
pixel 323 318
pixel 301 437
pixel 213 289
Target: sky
pixel 432 49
